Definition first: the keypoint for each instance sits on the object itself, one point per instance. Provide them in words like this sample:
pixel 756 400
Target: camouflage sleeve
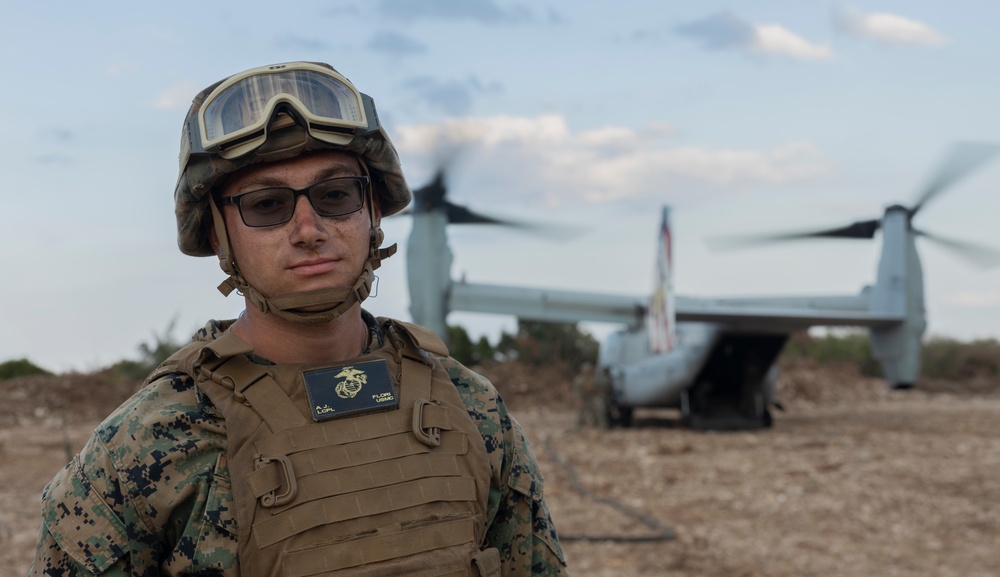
pixel 81 533
pixel 521 528
pixel 147 495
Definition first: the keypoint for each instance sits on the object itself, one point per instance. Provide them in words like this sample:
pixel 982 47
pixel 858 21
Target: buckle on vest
pixel 269 499
pixel 430 436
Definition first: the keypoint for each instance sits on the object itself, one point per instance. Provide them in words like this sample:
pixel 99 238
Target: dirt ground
pixel 851 480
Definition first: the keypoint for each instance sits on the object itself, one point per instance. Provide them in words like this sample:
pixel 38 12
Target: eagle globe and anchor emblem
pixel 337 391
pixel 354 379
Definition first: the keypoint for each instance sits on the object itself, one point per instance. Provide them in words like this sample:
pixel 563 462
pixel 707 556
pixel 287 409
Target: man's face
pixel 310 251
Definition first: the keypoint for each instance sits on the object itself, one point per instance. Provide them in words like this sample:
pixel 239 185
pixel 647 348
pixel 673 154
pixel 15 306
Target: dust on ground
pixel 853 479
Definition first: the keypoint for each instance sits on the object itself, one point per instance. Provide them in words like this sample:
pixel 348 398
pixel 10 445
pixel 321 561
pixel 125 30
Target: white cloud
pixel 542 159
pixel 727 31
pixel 486 132
pixel 889 28
pixel 776 39
pixel 971 299
pixel 177 97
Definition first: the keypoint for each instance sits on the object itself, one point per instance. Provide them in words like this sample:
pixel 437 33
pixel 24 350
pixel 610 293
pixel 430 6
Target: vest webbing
pixel 401 492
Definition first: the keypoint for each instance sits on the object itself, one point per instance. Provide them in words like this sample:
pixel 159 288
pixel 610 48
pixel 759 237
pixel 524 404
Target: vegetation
pixel 950 359
pixel 941 358
pixel 849 346
pixel 534 343
pixel 20 368
pixel 538 343
pixel 470 353
pixel 150 356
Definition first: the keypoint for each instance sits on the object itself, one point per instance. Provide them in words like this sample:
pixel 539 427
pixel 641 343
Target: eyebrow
pixel 261 182
pixel 328 172
pixel 339 170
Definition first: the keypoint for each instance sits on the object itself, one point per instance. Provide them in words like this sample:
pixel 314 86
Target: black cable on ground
pixel 662 532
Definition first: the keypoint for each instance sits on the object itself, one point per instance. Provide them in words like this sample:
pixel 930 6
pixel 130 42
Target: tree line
pixel 537 343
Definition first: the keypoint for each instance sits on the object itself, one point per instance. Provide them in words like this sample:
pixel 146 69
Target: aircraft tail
pixel 660 318
pixel 899 289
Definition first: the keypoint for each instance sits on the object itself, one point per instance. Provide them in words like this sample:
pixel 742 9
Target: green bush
pixel 535 343
pixel 150 356
pixel 539 342
pixel 464 350
pixel 20 368
pixel 940 357
pixel 946 358
pixel 848 346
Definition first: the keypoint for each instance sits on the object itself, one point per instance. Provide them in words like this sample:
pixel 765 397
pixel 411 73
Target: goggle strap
pixel 336 129
pixel 371 114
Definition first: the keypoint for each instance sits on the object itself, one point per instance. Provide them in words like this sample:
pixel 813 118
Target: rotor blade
pixel 980 254
pixel 460 215
pixel 860 229
pixel 431 195
pixel 963 159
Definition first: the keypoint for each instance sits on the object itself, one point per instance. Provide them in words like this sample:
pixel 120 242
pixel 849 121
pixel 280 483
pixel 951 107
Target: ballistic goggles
pixel 234 118
pixel 273 206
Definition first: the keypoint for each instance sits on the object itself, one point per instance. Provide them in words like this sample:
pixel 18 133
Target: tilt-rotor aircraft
pixel 711 358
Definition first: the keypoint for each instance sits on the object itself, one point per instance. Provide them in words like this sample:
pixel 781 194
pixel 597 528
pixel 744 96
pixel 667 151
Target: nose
pixel 307 227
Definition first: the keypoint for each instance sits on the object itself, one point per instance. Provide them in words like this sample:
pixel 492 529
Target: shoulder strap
pixel 179 362
pixel 224 361
pixel 423 337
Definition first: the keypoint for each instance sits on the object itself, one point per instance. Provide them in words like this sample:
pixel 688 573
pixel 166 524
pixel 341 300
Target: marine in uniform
pixel 307 437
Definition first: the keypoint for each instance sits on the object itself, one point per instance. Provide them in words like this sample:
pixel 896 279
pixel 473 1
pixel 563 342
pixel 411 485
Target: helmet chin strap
pixel 296 306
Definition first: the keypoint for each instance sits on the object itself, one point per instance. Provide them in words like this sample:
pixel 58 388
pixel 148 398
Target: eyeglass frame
pixel 236 199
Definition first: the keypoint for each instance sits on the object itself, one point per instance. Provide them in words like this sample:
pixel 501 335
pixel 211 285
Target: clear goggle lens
pixel 239 111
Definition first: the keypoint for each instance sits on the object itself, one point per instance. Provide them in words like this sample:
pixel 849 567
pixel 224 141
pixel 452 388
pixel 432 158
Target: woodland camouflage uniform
pixel 150 493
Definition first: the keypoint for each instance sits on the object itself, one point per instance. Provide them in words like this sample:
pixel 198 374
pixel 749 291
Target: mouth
pixel 313 267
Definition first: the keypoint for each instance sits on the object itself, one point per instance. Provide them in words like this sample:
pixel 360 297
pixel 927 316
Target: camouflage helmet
pixel 205 161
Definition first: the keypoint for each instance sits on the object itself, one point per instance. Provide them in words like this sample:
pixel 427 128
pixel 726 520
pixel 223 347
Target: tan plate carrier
pixel 400 492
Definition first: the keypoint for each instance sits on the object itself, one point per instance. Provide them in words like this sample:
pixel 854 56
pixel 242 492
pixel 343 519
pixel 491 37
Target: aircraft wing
pixel 546 304
pixel 769 314
pixel 784 313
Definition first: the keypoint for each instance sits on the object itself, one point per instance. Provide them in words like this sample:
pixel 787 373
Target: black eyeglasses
pixel 273 206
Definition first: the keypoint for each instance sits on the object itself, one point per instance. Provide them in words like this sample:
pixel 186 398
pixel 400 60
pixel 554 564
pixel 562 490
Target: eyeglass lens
pixel 271 206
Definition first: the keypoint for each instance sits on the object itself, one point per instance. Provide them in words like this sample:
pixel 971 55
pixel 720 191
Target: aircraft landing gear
pixel 728 408
pixel 618 415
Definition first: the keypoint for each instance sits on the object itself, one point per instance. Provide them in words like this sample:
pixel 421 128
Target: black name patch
pixel 336 392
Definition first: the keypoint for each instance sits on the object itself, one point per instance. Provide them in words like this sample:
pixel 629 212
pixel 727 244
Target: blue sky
pixel 745 117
